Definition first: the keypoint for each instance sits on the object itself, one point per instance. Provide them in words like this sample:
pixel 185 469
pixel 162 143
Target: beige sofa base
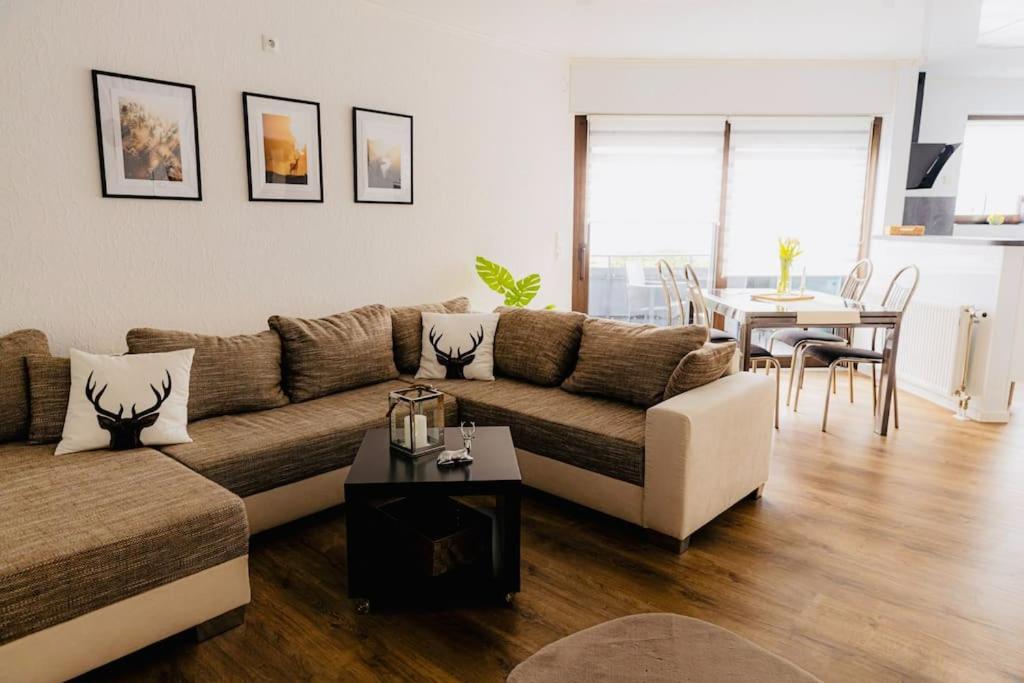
pixel 595 491
pixel 91 640
pixel 283 504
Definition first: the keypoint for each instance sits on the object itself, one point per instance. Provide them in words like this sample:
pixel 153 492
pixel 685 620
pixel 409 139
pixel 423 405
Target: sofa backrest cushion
pixel 630 362
pixel 229 374
pixel 537 346
pixel 49 385
pixel 339 352
pixel 14 406
pixel 407 330
pixel 700 367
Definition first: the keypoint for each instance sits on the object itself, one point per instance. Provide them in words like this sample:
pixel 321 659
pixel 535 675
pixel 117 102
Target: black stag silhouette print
pixel 125 432
pixel 455 363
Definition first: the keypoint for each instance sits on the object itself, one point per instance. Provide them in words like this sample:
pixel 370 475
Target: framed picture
pixel 148 137
pixel 382 144
pixel 282 146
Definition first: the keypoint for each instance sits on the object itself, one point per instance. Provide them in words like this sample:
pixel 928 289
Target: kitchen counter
pixel 955 240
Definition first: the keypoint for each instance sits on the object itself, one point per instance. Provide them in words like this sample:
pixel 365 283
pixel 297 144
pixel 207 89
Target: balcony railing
pixel 626 286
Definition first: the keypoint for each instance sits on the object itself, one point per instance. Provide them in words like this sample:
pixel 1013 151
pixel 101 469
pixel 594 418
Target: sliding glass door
pixel 653 188
pixel 716 193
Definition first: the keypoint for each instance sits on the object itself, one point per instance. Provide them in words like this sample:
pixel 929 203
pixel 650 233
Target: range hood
pixel 926 158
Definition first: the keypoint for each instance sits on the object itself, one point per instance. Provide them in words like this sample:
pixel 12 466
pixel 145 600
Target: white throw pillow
pixel 121 402
pixel 458 346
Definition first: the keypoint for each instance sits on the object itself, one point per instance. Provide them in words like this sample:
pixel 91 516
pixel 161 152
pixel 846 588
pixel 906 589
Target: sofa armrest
pixel 706 449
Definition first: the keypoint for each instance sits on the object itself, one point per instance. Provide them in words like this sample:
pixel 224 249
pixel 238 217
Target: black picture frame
pixel 104 188
pixel 248 148
pixel 356 188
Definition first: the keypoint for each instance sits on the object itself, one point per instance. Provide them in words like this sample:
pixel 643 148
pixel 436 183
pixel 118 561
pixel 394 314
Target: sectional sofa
pixel 104 552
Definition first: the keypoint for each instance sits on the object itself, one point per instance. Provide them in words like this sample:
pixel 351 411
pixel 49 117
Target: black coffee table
pixel 379 477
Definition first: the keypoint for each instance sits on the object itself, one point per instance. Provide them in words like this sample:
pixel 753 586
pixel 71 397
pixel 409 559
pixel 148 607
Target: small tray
pixel 781 298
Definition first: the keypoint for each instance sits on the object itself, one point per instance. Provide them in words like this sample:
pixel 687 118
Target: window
pixel 991 175
pixel 794 177
pixel 653 191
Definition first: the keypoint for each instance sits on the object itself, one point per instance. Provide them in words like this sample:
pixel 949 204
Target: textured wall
pixel 493 168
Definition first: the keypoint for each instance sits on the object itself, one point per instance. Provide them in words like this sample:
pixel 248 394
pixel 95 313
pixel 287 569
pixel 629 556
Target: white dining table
pixel 823 310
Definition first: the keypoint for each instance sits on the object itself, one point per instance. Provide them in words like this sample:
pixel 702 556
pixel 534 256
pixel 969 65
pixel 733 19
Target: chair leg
pixel 849 367
pixel 793 361
pixel 834 383
pixel 778 387
pixel 799 382
pixel 828 393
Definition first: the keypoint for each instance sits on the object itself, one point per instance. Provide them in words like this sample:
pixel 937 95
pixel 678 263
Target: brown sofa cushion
pixel 229 374
pixel 254 452
pixel 588 432
pixel 14 408
pixel 342 351
pixel 700 367
pixel 537 346
pixel 407 330
pixel 88 530
pixel 630 362
pixel 49 383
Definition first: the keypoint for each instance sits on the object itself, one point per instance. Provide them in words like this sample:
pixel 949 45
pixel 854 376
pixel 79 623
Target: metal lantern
pixel 416 420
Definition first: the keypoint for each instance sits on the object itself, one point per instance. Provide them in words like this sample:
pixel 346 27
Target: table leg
pixel 887 380
pixel 357 551
pixel 508 513
pixel 744 339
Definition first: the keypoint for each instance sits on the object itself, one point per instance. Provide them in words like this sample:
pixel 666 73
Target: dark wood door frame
pixel 580 229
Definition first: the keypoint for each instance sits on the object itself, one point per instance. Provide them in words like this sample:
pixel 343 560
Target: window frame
pixel 580 284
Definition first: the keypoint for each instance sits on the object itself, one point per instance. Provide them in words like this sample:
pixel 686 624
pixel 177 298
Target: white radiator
pixel 933 347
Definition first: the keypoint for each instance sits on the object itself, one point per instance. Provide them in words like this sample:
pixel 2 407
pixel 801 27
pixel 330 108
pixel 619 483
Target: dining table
pixel 816 310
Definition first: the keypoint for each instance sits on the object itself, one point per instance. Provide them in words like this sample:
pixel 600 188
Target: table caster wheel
pixel 362 606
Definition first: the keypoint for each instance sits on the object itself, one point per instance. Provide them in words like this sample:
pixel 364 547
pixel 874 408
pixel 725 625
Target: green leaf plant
pixel 517 293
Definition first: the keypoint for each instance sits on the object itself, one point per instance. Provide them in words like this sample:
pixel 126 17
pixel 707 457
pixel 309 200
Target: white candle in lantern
pixel 420 424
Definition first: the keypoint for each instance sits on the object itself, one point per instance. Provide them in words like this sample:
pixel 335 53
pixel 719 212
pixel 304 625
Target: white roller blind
pixel 795 177
pixel 653 184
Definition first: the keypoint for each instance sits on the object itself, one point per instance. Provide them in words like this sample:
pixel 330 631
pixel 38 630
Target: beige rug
pixel 656 647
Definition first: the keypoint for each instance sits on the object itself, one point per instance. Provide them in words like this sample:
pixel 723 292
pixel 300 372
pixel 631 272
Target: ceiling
pixel 943 32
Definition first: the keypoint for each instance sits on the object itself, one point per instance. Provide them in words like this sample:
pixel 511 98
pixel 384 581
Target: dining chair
pixel 701 316
pixel 897 297
pixel 670 287
pixel 852 287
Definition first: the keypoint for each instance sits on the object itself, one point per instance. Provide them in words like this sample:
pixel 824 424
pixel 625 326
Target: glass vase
pixel 785 266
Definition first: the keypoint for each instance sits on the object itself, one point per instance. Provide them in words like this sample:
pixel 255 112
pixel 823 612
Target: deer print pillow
pixel 122 402
pixel 458 346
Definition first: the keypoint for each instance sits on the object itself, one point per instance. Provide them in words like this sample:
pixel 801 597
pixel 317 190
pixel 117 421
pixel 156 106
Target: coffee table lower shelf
pixel 390 558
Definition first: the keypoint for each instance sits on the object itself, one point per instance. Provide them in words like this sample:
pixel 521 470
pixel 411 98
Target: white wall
pixel 734 87
pixel 493 169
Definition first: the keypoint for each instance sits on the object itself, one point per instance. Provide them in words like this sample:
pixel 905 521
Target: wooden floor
pixel 868 559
